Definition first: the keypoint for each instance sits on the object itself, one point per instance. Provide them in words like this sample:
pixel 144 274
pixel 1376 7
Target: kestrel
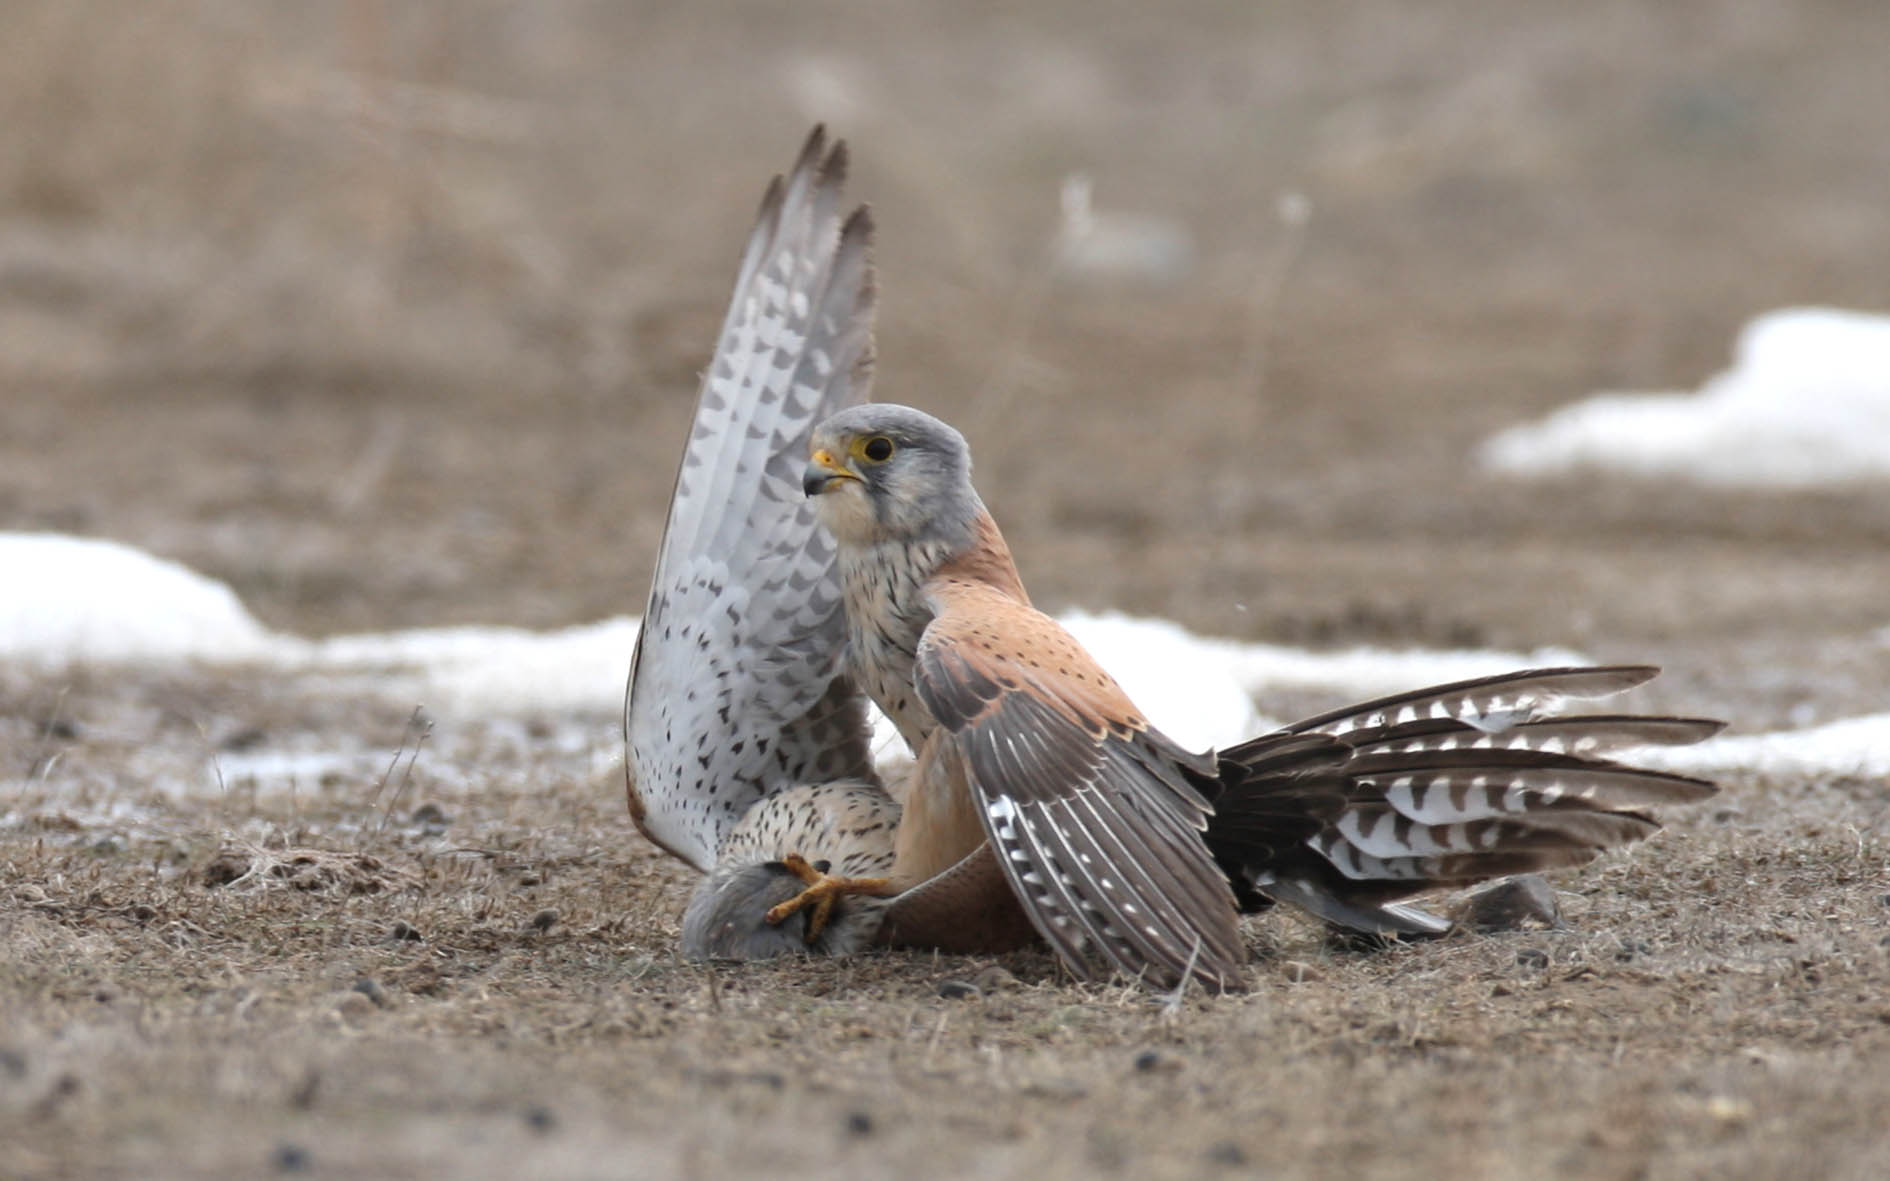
pixel 822 551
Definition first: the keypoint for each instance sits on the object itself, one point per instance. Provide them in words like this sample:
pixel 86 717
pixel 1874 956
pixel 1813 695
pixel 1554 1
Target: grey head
pixel 725 917
pixel 882 472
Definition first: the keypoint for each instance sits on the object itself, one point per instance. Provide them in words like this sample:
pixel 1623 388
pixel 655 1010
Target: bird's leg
pixel 823 890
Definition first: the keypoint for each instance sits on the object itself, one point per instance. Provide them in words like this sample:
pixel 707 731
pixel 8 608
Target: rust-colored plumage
pixel 1094 814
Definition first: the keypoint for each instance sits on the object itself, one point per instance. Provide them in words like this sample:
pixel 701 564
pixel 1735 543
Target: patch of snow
pixel 1857 746
pixel 71 600
pixel 503 670
pixel 308 769
pixel 1181 683
pixel 1201 691
pixel 77 599
pixel 74 600
pixel 1806 404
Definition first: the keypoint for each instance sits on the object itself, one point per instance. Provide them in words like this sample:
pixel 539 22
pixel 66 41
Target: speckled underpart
pixel 886 613
pixel 851 819
pixel 848 824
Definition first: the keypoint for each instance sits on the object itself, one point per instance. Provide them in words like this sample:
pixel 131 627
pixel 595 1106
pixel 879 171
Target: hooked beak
pixel 823 470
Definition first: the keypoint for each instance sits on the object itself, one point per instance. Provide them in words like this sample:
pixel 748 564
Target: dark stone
pixel 248 738
pixel 291 1158
pixel 1512 905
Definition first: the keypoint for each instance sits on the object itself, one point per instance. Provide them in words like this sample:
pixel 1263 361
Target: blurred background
pixel 390 314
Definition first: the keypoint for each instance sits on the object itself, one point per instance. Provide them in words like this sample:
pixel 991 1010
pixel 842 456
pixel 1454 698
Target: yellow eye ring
pixel 873 448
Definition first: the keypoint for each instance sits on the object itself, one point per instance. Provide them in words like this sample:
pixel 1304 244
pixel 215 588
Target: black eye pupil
pixel 879 450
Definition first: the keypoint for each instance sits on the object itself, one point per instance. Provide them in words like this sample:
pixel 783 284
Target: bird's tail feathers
pixel 1347 813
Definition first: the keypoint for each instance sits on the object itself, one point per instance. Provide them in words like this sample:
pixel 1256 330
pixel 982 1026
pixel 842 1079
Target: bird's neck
pixel 987 560
pixel 889 577
pixel 888 609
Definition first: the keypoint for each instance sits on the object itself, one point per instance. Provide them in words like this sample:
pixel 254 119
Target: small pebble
pixel 248 738
pixel 290 1158
pixel 1299 971
pixel 1512 905
pixel 353 1007
pixel 859 1123
pixel 543 921
pixel 541 1120
pixel 1728 1109
pixel 1153 1061
pixel 1228 1153
pixel 993 979
pixel 303 1096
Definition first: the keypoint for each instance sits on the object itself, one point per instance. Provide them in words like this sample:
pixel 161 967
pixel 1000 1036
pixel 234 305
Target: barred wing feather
pixel 736 689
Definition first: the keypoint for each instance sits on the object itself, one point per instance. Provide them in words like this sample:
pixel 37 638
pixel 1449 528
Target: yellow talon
pixel 823 891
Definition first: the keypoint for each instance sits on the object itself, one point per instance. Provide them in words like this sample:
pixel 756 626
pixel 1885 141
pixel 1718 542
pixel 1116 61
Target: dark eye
pixel 879 449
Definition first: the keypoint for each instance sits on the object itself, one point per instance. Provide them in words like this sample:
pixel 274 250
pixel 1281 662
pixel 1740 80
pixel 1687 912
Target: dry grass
pixel 485 982
pixel 388 315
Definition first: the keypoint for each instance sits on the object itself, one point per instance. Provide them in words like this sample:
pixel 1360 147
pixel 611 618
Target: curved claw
pixel 823 891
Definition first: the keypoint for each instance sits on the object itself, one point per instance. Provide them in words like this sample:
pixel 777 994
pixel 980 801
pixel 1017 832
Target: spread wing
pixel 736 689
pixel 1095 815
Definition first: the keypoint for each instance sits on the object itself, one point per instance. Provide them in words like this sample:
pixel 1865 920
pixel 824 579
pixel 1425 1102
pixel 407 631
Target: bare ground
pixel 389 317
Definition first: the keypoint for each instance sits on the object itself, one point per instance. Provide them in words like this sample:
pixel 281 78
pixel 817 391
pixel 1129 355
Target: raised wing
pixel 736 689
pixel 1096 817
